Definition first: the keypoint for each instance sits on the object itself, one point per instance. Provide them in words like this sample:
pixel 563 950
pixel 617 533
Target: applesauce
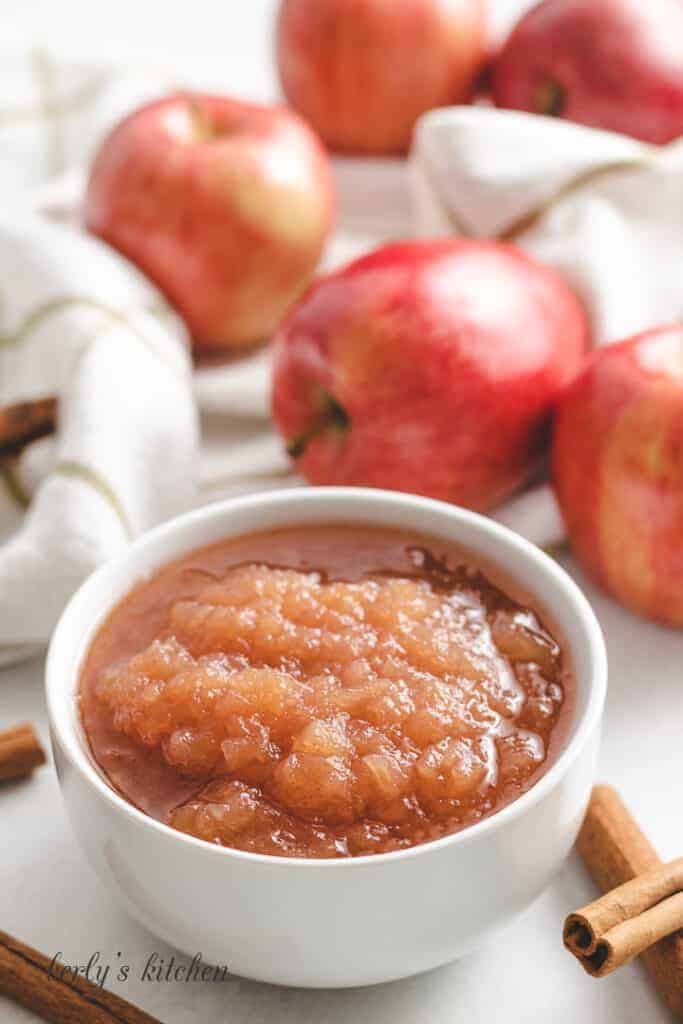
pixel 325 692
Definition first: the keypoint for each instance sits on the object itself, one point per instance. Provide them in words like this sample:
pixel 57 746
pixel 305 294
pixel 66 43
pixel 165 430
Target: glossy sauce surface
pixel 324 692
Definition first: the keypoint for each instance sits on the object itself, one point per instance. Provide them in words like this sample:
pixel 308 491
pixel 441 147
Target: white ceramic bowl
pixel 339 922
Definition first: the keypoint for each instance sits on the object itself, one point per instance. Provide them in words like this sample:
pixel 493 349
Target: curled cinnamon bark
pixel 26 977
pixel 628 920
pixel 20 752
pixel 25 422
pixel 642 911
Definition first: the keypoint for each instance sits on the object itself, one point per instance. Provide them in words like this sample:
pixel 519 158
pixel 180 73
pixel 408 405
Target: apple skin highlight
pixel 225 205
pixel 611 64
pixel 429 367
pixel 363 71
pixel 617 466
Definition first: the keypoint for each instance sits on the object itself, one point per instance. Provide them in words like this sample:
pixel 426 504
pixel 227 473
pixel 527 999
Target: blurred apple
pixel 363 71
pixel 613 64
pixel 618 471
pixel 225 205
pixel 430 367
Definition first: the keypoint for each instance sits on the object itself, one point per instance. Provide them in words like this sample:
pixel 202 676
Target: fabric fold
pixel 84 325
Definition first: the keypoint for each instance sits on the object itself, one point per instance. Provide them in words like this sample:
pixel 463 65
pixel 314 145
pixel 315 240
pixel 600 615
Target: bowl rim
pixel 73 741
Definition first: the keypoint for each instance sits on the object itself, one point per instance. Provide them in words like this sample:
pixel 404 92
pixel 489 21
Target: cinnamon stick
pixel 610 932
pixel 643 910
pixel 25 422
pixel 20 752
pixel 25 976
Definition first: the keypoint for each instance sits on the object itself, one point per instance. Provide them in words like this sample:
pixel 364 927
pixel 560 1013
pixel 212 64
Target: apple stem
pixel 332 416
pixel 549 98
pixel 200 121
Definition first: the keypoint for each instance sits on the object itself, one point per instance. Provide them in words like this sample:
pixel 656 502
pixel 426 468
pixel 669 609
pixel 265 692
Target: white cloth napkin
pixel 79 322
pixel 606 211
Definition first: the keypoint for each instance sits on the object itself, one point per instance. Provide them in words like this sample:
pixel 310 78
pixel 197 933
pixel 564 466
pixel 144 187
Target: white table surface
pixel 50 898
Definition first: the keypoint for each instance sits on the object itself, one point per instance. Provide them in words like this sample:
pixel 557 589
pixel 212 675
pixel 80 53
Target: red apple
pixel 427 366
pixel 614 64
pixel 618 471
pixel 363 71
pixel 225 205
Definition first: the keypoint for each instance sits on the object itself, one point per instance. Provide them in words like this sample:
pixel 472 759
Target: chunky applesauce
pixel 327 692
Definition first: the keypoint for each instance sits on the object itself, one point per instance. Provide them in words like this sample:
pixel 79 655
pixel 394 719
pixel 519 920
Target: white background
pixel 233 28
pixel 50 898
